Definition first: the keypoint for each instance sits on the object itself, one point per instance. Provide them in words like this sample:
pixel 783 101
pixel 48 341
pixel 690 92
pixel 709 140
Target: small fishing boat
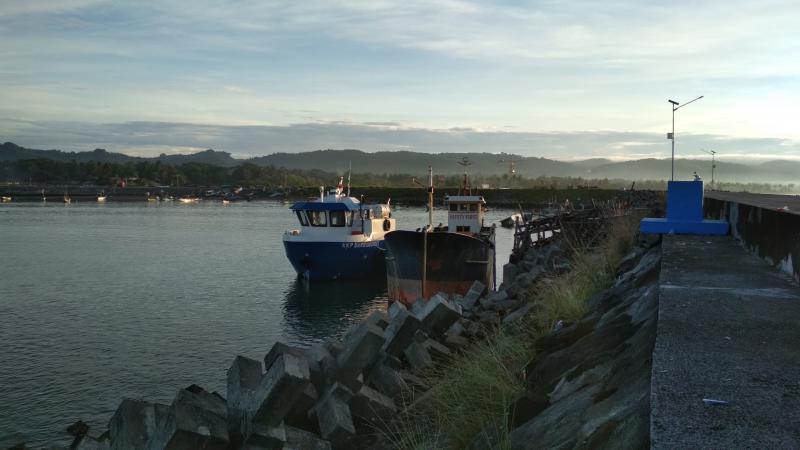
pixel 101 197
pixel 5 198
pixel 440 258
pixel 67 198
pixel 339 237
pixel 509 221
pixel 189 199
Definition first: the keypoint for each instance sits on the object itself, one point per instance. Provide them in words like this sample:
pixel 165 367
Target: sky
pixel 564 80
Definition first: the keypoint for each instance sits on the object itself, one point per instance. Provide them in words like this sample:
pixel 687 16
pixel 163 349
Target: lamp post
pixel 713 165
pixel 675 107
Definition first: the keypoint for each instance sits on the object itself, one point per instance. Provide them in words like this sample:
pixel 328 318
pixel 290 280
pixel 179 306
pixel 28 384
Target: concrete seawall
pixel 768 225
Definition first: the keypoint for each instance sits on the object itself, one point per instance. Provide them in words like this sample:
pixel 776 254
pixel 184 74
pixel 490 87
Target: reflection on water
pixel 101 302
pixel 313 312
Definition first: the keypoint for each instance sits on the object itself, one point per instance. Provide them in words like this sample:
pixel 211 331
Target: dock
pixel 726 365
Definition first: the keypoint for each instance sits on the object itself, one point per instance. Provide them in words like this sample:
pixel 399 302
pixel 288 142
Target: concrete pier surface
pixel 729 331
pixel 766 201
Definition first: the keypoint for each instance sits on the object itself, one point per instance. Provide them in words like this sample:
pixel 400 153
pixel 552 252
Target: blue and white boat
pixel 339 237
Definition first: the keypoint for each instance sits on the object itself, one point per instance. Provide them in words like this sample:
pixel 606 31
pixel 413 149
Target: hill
pixel 405 162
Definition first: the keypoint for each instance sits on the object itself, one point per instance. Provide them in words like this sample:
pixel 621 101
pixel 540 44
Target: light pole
pixel 713 165
pixel 675 107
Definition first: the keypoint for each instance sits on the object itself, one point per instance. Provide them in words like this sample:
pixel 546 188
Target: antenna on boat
pixel 430 197
pixel 465 162
pixel 322 194
pixel 349 172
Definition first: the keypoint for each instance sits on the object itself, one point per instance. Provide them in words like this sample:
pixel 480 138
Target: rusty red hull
pixel 453 261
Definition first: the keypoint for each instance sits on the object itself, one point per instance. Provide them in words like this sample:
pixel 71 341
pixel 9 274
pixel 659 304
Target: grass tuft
pixel 475 388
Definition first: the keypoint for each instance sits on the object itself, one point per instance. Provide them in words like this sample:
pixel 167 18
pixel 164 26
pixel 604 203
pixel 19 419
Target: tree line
pixel 156 173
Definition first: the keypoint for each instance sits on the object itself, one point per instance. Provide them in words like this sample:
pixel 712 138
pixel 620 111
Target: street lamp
pixel 675 107
pixel 713 165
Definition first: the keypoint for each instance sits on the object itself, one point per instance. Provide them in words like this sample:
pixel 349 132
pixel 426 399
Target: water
pixel 101 302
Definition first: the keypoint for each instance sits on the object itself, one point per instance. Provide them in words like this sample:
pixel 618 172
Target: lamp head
pixel 674 102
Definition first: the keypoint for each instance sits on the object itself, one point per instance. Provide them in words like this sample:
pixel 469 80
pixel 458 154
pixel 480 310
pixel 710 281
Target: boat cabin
pixel 340 213
pixel 465 213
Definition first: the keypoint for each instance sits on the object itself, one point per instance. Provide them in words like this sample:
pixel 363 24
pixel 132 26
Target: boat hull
pixel 454 262
pixel 319 261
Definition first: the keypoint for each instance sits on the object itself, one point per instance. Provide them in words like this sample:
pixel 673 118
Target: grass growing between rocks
pixel 564 297
pixel 475 388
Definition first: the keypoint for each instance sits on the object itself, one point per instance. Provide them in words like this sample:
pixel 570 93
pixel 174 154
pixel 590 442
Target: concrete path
pixel 728 329
pixel 766 201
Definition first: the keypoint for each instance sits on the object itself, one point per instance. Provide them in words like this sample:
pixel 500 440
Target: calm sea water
pixel 101 302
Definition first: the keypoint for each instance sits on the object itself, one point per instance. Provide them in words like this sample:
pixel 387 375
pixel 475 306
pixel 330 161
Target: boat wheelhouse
pixel 338 237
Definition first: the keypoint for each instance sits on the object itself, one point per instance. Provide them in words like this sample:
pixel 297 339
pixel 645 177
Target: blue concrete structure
pixel 684 213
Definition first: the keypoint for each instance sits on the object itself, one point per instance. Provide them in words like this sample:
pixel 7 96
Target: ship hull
pixel 454 261
pixel 319 261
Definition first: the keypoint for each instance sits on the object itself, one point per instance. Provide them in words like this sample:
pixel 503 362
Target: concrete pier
pixel 726 365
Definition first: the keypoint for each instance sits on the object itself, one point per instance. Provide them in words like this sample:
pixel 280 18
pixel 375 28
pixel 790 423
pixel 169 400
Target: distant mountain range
pixel 778 171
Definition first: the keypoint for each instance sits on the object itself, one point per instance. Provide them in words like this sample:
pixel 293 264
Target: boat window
pixel 473 207
pixel 453 206
pixel 337 218
pixel 464 207
pixel 301 216
pixel 317 218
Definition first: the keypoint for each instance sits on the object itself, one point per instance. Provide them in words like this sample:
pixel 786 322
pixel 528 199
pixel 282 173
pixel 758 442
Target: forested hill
pixel 487 164
pixel 413 162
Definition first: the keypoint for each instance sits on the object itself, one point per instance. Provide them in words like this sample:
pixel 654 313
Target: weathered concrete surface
pixel 763 223
pixel 134 423
pixel 766 201
pixel 727 330
pixel 196 419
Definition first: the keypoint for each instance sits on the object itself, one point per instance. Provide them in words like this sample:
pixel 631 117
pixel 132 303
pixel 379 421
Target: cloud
pixel 152 138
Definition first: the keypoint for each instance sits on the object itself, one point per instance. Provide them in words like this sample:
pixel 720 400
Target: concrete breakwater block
pixel 244 378
pixel 265 437
pixel 371 406
pixel 418 357
pixel 361 348
pixel 298 439
pixel 195 419
pixel 439 314
pixel 280 387
pixel 386 380
pixel 134 423
pixel 471 297
pixel 400 332
pixel 335 420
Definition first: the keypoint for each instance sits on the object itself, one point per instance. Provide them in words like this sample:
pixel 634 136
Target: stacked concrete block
pixel 400 332
pixel 244 379
pixel 334 417
pixel 436 349
pixel 475 292
pixel 370 405
pixel 439 315
pixel 386 380
pixel 195 419
pixel 134 423
pixel 417 356
pixel 265 437
pixel 299 439
pixel 360 349
pixel 280 387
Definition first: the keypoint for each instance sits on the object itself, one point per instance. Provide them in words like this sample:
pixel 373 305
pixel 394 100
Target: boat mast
pixel 466 190
pixel 430 196
pixel 349 172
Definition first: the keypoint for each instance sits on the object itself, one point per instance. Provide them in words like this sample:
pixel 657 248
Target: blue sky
pixel 565 80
